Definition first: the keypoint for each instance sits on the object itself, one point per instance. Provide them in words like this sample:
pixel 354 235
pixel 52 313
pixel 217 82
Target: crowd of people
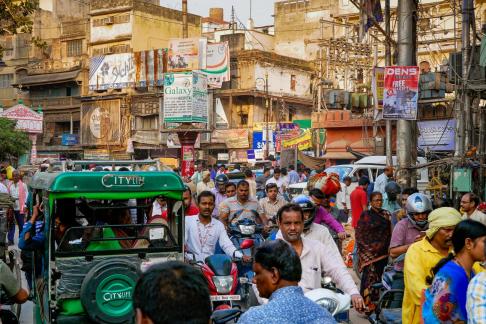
pixel 443 279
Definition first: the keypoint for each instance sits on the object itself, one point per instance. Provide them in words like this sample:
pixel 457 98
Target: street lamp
pixel 259 82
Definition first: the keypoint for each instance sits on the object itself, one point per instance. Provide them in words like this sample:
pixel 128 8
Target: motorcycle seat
pixel 391 315
pixel 225 315
pixel 220 264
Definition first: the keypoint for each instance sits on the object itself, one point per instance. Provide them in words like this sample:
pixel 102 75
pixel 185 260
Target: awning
pixel 338 156
pixel 47 78
pixel 311 162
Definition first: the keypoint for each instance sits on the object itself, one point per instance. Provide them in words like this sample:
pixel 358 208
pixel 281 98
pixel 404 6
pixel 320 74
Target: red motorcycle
pixel 221 274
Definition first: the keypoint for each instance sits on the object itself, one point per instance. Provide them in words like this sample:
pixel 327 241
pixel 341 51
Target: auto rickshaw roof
pixel 108 182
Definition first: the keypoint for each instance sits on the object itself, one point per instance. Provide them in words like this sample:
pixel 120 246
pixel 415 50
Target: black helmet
pixel 221 179
pixel 307 205
pixel 392 190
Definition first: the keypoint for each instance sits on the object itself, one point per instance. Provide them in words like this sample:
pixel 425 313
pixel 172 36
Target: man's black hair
pixel 277 170
pixel 248 173
pixel 316 193
pixel 229 184
pixel 291 167
pixel 205 193
pixel 289 208
pixel 475 198
pixel 166 290
pixel 187 188
pixel 363 181
pixel 266 169
pixel 409 191
pixel 270 186
pixel 280 255
pixel 242 183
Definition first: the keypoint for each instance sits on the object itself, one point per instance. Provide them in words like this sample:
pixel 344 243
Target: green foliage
pixel 13 143
pixel 15 17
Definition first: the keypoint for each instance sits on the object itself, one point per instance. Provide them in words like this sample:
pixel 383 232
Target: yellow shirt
pixel 420 259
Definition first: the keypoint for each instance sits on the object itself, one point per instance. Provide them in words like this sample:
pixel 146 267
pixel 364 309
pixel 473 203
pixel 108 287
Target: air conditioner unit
pixel 109 20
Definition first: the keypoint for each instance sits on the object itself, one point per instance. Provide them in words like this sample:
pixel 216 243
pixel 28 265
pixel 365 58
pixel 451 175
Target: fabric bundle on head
pixel 442 217
pixel 205 174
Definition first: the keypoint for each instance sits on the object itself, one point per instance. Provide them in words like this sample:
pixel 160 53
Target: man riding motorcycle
pixel 219 192
pixel 410 229
pixel 316 257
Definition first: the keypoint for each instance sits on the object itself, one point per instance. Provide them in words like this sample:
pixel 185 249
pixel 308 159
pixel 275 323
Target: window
pixel 146 123
pixel 244 119
pixel 110 20
pixel 6 80
pixel 293 82
pixel 74 47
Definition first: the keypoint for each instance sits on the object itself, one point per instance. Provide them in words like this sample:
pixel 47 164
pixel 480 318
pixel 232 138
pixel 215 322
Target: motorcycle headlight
pixel 328 303
pixel 223 284
pixel 247 229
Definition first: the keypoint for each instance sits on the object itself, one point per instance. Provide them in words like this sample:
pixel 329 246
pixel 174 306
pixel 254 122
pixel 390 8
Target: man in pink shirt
pixel 359 200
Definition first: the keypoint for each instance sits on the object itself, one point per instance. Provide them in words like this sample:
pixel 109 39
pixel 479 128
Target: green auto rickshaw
pixel 99 234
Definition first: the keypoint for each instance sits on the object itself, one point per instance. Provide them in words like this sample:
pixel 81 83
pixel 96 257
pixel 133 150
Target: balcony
pixel 56 102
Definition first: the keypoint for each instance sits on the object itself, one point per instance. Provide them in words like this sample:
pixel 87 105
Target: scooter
pixel 389 307
pixel 334 300
pixel 221 273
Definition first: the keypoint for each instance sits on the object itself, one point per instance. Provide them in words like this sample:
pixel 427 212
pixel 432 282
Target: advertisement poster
pixel 100 123
pixel 187 167
pixel 378 83
pixel 217 64
pixel 115 71
pixel 437 135
pixel 185 98
pixel 401 92
pixel 186 54
pixel 259 141
pixel 302 142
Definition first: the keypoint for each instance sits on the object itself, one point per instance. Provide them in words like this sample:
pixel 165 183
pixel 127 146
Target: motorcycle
pixel 389 307
pixel 334 300
pixel 221 273
pixel 246 229
pixel 226 315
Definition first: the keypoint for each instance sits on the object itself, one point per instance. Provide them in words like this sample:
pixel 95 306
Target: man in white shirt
pixel 277 179
pixel 345 195
pixel 206 184
pixel 315 257
pixel 382 180
pixel 469 205
pixel 203 232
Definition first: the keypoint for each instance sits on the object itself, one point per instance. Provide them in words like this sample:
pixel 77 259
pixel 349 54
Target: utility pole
pixel 388 122
pixel 319 90
pixel 467 14
pixel 406 141
pixel 184 19
pixel 267 117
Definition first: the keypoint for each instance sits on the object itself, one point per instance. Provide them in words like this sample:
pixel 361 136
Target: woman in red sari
pixel 373 235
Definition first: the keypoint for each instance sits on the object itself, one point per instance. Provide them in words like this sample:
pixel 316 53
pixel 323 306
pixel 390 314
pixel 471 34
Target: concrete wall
pixel 279 80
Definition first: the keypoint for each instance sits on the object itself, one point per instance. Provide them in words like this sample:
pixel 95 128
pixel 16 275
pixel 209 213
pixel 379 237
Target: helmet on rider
pixel 221 180
pixel 308 208
pixel 418 208
pixel 392 190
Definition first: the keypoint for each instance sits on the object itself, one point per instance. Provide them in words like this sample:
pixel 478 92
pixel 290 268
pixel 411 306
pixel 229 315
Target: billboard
pixel 186 54
pixel 100 122
pixel 217 64
pixel 302 142
pixel 115 71
pixel 401 92
pixel 185 98
pixel 437 135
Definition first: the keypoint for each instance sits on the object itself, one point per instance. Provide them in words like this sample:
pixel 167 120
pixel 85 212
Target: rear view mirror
pixel 246 244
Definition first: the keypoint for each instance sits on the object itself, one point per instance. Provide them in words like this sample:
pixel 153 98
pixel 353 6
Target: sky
pixel 262 10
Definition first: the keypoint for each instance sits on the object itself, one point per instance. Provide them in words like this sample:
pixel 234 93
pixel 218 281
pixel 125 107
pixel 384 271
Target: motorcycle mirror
pixel 246 244
pixel 326 280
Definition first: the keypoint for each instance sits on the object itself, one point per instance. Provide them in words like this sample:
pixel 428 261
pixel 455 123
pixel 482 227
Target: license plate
pixel 225 297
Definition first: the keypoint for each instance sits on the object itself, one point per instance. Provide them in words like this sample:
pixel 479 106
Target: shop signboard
pixel 185 98
pixel 301 142
pixel 100 122
pixel 401 92
pixel 26 119
pixel 69 139
pixel 95 155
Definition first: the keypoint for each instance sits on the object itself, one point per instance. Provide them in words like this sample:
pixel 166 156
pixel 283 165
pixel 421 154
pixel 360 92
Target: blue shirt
pixel 287 305
pixel 293 177
pixel 391 206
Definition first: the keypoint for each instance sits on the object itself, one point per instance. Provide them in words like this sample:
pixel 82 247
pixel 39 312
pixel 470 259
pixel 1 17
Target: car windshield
pixel 91 226
pixel 341 170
